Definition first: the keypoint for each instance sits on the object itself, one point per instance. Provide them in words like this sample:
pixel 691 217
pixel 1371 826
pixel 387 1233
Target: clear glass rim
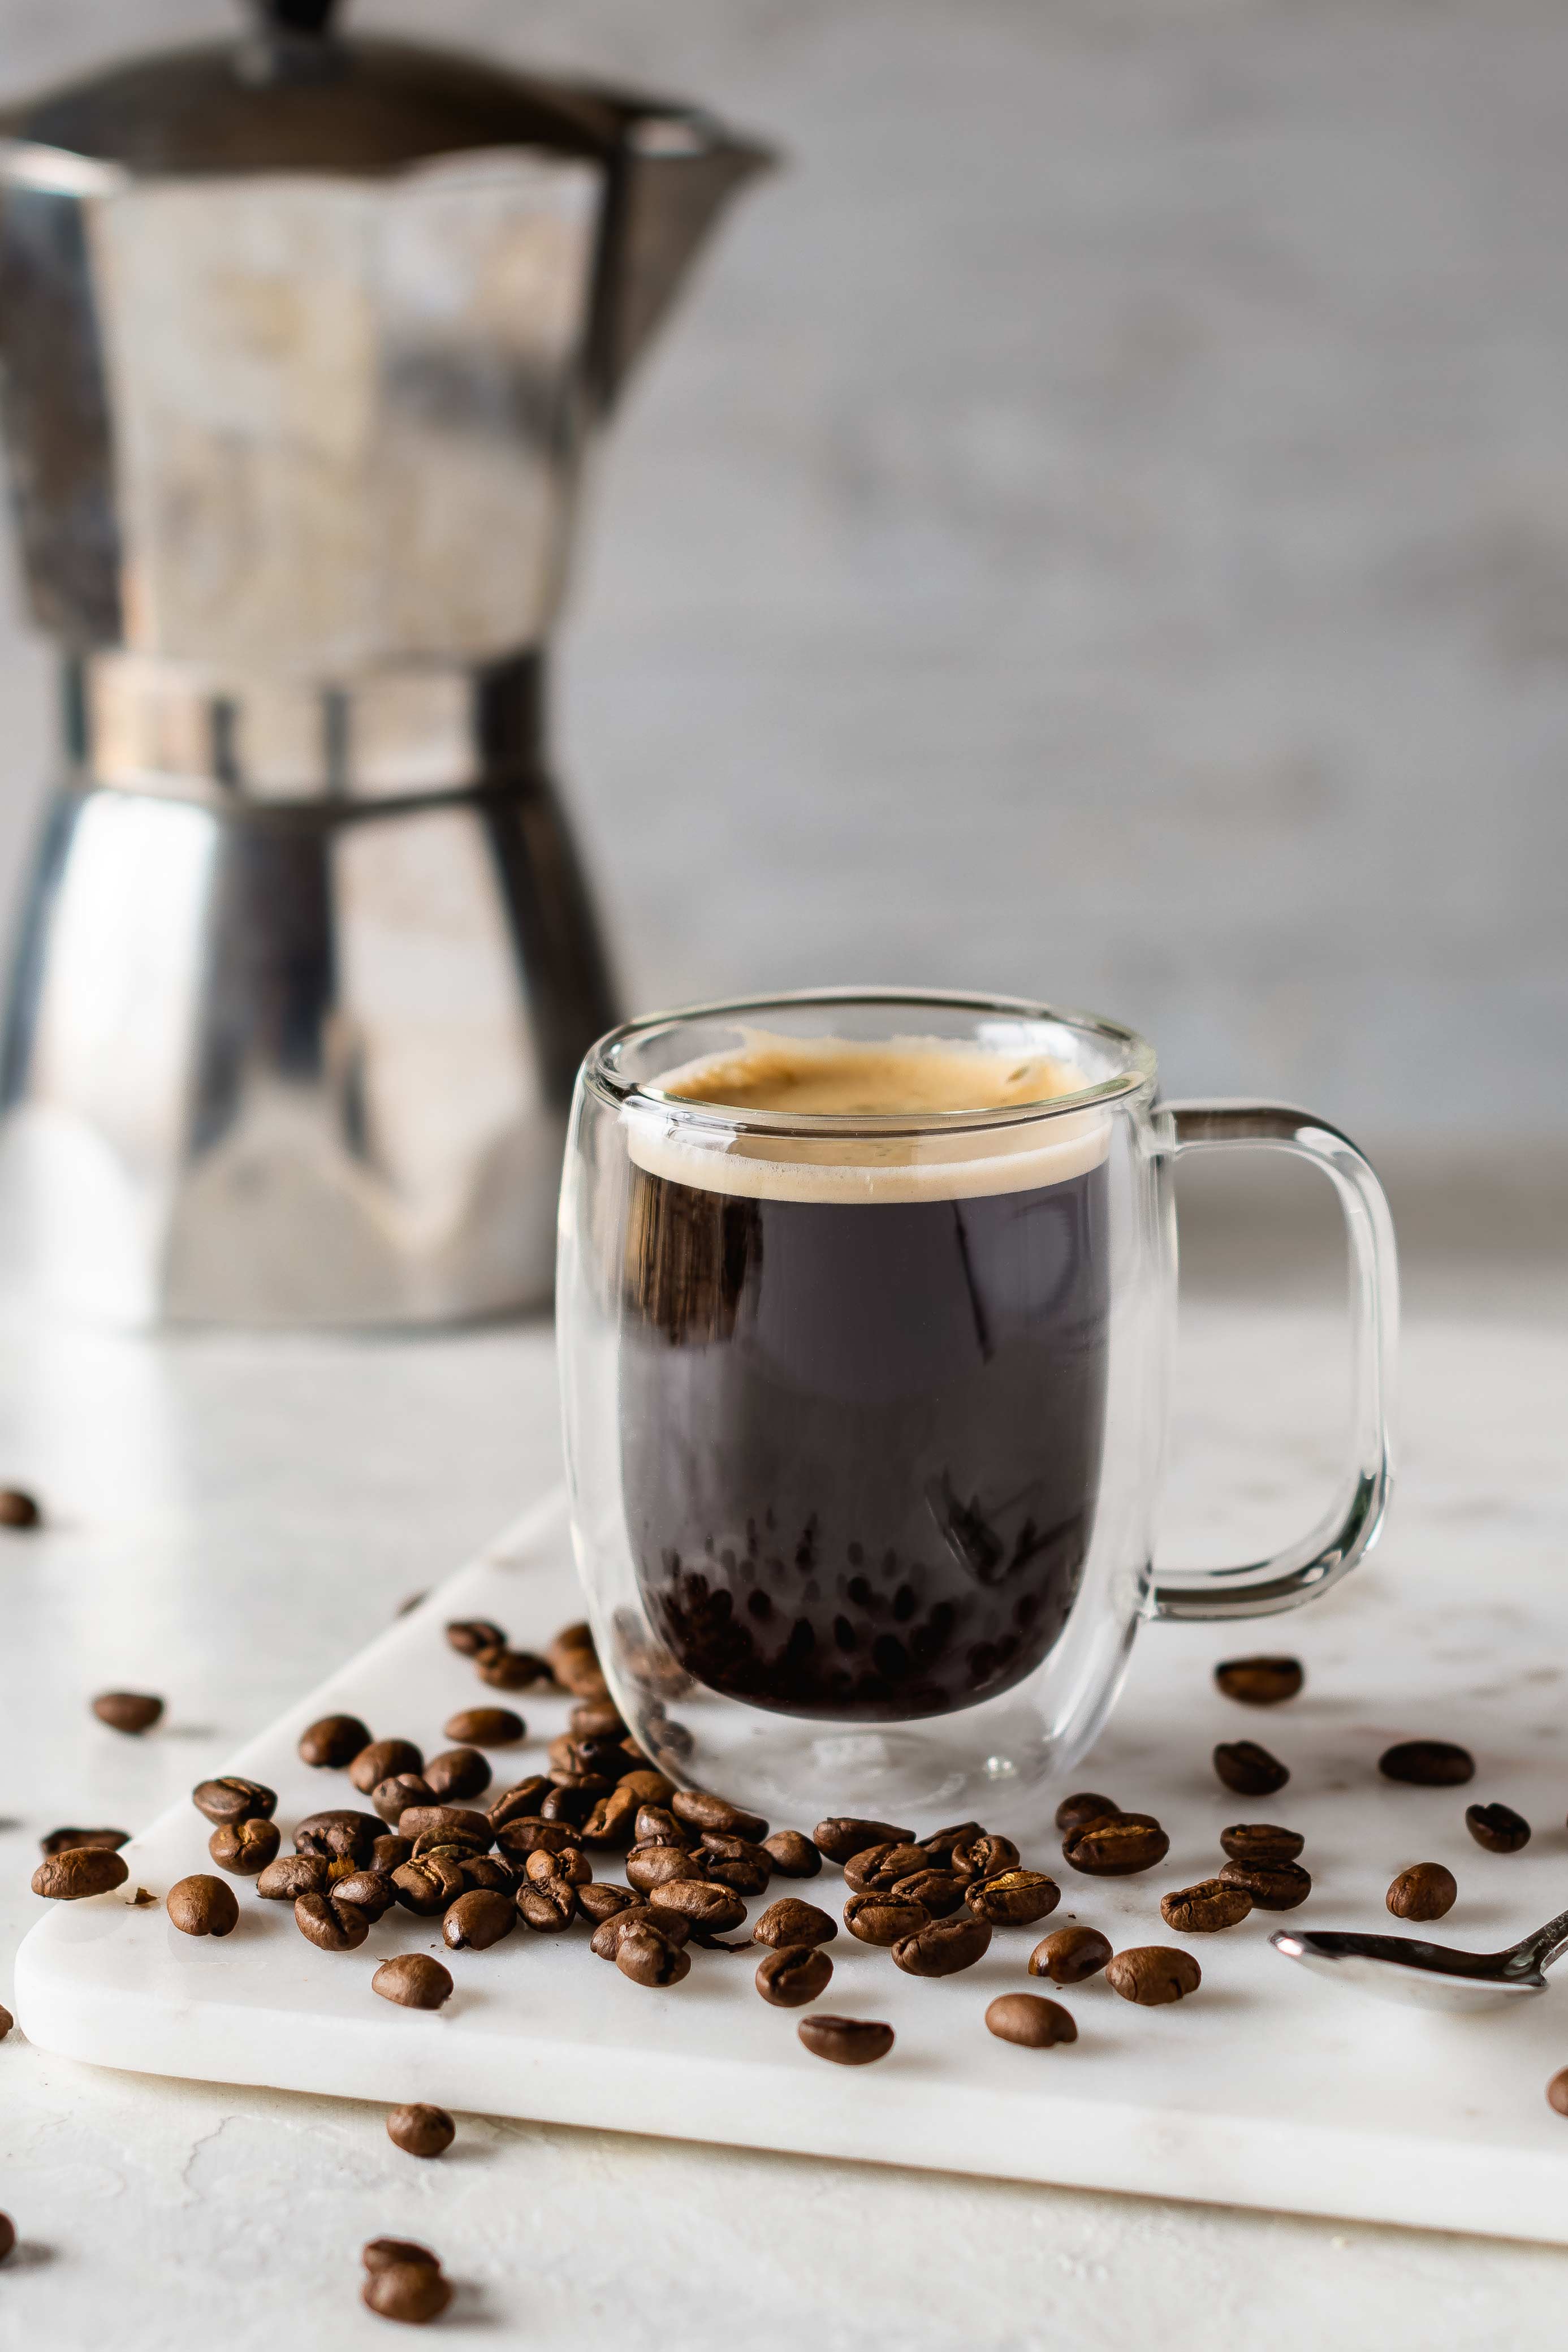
pixel 603 1073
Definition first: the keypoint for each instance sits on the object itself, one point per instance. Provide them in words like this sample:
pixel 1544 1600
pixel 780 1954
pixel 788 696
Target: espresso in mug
pixel 862 1382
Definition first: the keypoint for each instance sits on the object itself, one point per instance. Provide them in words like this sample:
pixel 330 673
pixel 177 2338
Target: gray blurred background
pixel 1100 531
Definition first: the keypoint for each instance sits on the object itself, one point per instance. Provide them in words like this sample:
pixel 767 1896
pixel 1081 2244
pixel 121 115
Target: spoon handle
pixel 1547 1943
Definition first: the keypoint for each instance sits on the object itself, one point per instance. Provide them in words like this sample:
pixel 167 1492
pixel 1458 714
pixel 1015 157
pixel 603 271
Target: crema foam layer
pixel 850 1078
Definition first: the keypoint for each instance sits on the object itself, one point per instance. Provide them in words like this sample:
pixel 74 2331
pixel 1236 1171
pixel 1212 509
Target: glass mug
pixel 864 1405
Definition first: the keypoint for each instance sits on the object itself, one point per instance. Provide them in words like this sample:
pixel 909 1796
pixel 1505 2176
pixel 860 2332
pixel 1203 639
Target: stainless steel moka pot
pixel 306 342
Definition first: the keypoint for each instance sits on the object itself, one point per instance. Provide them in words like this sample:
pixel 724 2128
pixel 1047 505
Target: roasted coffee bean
pixel 468 1636
pixel 983 1857
pixel 61 1840
pixel 645 1788
pixel 736 1861
pixel 1077 1813
pixel 611 1825
pixel 455 1775
pixel 485 1726
pixel 1260 1841
pixel 792 1855
pixel 610 1754
pixel 1204 1910
pixel 79 1872
pixel 529 1835
pixel 938 1847
pixel 333 1741
pixel 878 1868
pixel 1247 1769
pixel 421 2129
pixel 1557 2092
pixel 389 1852
pixel 1424 1891
pixel 844 1836
pixel 885 1920
pixel 505 1669
pixel 1115 1848
pixel 7 2235
pixel 576 1668
pixel 790 1921
pixel 794 1974
pixel 370 1891
pixel 479 1919
pixel 411 2291
pixel 572 1801
pixel 245 1847
pixel 715 1909
pixel 1273 1886
pixel 453 1824
pixel 520 1803
pixel 938 1891
pixel 382 1759
pixel 292 1875
pixel 331 1925
pixel 414 1981
pixel 656 1825
pixel 6 2021
pixel 600 1899
pixel 605 1939
pixel 393 1798
pixel 233 1800
pixel 593 1718
pixel 201 1905
pixel 1261 1682
pixel 1496 1827
pixel 487 1872
pixel 943 1946
pixel 1013 1898
pixel 649 1957
pixel 700 1811
pixel 548 1906
pixel 128 1711
pixel 381 2253
pixel 1029 2021
pixel 1069 1954
pixel 648 1867
pixel 428 1883
pixel 571 1863
pixel 19 1508
pixel 845 2041
pixel 1151 1975
pixel 1427 1763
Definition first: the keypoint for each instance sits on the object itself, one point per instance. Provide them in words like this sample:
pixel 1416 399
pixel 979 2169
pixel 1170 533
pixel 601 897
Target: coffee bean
pixel 79 1872
pixel 1013 1898
pixel 1031 2022
pixel 453 1824
pixel 1424 1891
pixel 7 2235
pixel 414 1981
pixel 570 1863
pixel 646 1788
pixel 455 1775
pixel 844 1836
pixel 292 1875
pixel 487 1872
pixel 885 1920
pixel 938 1846
pixel 128 1711
pixel 1247 1769
pixel 529 1835
pixel 1261 1682
pixel 233 1800
pixel 794 1974
pixel 1152 1974
pixel 381 2253
pixel 1077 1813
pixel 245 1847
pixel 937 1892
pixel 715 1909
pixel 1069 1954
pixel 600 1899
pixel 428 1883
pixel 370 1891
pixel 393 1798
pixel 878 1868
pixel 648 1867
pixel 331 1925
pixel 1427 1763
pixel 1496 1827
pixel 383 1759
pixel 1557 2092
pixel 547 1906
pixel 984 1856
pixel 611 1825
pixel 1204 1910
pixel 201 1905
pixel 1260 1841
pixel 333 1742
pixel 479 1919
pixel 520 1803
pixel 19 1508
pixel 573 1801
pixel 1115 1848
pixel 943 1946
pixel 736 1861
pixel 1273 1886
pixel 411 2291
pixel 468 1636
pixel 790 1921
pixel 596 1716
pixel 574 1662
pixel 505 1669
pixel 700 1811
pixel 6 2021
pixel 485 1726
pixel 845 2041
pixel 605 1941
pixel 792 1855
pixel 61 1840
pixel 656 1825
pixel 389 1852
pixel 648 1957
pixel 421 2129
pixel 338 1835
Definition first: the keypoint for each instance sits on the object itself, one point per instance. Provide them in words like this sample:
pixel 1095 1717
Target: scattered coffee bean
pixel 333 1742
pixel 649 1957
pixel 845 2041
pixel 381 2253
pixel 1496 1827
pixel 1013 1898
pixel 520 1803
pixel 19 1508
pixel 479 1919
pixel 453 1824
pixel 656 1825
pixel 700 1811
pixel 292 1875
pixel 735 1862
pixel 233 1800
pixel 844 1836
pixel 421 2129
pixel 1273 1886
pixel 128 1711
pixel 605 1941
pixel 1247 1769
pixel 1424 1891
pixel 877 1869
pixel 1427 1763
pixel 1077 1813
pixel 648 1789
pixel 79 1872
pixel 414 1981
pixel 938 1846
pixel 1261 1682
pixel 885 1920
pixel 794 1974
pixel 468 1636
pixel 600 1899
pixel 370 1891
pixel 512 1670
pixel 943 1946
pixel 1069 1954
pixel 1260 1841
pixel 1115 1847
pixel 594 1718
pixel 1029 2021
pixel 328 1923
pixel 574 1662
pixel 571 1863
pixel 986 1857
pixel 61 1840
pixel 548 1906
pixel 790 1921
pixel 487 1872
pixel 340 1835
pixel 1557 2092
pixel 792 1855
pixel 427 1883
pixel 648 1867
pixel 6 2021
pixel 383 1759
pixel 519 1838
pixel 715 1909
pixel 411 2291
pixel 485 1726
pixel 1204 1910
pixel 394 1796
pixel 455 1775
pixel 7 2235
pixel 245 1847
pixel 1151 1975
pixel 611 1825
pixel 200 1905
pixel 389 1852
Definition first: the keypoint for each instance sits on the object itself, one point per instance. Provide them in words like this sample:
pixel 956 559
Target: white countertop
pixel 230 1515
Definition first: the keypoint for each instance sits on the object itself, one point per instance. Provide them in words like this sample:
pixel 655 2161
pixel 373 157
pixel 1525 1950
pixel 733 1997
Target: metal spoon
pixel 1429 1976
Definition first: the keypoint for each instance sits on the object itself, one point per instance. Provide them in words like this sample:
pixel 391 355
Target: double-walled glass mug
pixel 865 1302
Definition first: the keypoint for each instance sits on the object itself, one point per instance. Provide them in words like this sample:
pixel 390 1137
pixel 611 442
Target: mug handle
pixel 1354 1519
